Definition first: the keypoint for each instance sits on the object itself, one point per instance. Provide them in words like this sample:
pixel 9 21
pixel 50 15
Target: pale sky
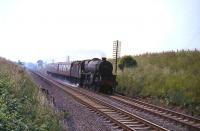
pixel 53 29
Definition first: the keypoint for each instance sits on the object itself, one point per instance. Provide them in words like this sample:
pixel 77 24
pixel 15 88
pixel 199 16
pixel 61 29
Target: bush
pixel 127 61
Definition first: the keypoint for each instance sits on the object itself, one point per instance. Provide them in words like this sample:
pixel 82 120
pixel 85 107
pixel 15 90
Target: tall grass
pixel 170 76
pixel 22 107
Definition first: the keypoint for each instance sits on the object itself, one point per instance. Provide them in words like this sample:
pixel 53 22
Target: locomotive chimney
pixel 104 58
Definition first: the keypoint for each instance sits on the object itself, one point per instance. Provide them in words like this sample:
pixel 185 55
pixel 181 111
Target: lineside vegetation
pixel 22 106
pixel 171 77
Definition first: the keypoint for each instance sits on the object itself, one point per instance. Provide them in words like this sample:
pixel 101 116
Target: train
pixel 96 74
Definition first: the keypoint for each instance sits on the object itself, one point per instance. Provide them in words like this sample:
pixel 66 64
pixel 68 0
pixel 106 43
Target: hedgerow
pixel 22 106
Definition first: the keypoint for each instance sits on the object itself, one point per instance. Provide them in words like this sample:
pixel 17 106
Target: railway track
pixel 185 120
pixel 122 119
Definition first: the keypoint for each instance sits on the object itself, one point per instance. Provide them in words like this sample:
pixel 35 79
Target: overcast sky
pixel 53 29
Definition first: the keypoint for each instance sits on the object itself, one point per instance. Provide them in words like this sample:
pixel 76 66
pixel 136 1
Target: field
pixel 22 106
pixel 170 77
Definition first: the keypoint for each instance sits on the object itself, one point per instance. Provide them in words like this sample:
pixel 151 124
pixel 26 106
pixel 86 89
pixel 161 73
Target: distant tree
pixel 20 63
pixel 127 61
pixel 40 64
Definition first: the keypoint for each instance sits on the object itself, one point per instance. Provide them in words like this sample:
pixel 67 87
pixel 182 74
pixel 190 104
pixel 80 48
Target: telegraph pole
pixel 116 53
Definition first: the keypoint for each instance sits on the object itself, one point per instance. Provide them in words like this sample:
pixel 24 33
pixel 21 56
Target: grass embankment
pixel 173 77
pixel 22 106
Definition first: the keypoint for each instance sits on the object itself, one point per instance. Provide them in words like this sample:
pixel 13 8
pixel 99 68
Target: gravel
pixel 80 118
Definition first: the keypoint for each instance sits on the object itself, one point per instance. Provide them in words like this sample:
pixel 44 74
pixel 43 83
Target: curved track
pixel 120 118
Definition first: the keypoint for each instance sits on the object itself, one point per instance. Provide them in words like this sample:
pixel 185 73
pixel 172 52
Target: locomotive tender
pixel 95 74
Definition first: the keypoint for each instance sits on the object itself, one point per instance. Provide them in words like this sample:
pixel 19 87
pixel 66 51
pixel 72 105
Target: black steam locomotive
pixel 95 74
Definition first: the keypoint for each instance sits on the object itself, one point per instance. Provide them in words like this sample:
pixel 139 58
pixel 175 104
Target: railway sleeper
pixel 197 125
pixel 125 117
pixel 135 125
pixel 105 109
pixel 142 128
pixel 121 120
pixel 125 120
pixel 179 118
pixel 132 124
pixel 164 113
pixel 99 107
pixel 102 107
pixel 185 120
pixel 109 112
pixel 116 116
